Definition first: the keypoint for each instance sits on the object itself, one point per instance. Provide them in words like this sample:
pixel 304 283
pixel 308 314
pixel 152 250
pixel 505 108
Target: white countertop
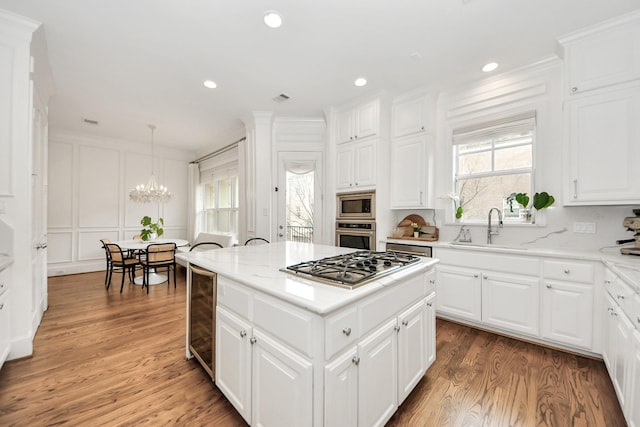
pixel 5 261
pixel 259 267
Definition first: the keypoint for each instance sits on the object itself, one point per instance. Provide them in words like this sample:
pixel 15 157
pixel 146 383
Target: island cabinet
pixel 5 332
pixel 280 363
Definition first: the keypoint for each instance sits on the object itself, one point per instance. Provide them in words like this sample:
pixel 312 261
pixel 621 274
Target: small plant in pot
pixel 151 230
pixel 540 201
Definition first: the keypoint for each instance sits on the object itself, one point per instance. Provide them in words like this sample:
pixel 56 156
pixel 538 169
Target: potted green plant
pixel 151 230
pixel 540 201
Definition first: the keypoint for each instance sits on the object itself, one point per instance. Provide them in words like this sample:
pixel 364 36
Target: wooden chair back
pixel 161 253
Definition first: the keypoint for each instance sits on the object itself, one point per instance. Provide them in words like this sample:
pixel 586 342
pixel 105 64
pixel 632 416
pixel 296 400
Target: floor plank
pixel 102 358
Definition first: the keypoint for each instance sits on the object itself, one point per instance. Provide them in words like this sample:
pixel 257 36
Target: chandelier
pixel 151 192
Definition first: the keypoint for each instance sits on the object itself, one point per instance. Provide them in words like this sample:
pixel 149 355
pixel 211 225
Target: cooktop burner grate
pixel 353 269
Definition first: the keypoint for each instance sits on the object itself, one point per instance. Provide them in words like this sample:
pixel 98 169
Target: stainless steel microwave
pixel 356 205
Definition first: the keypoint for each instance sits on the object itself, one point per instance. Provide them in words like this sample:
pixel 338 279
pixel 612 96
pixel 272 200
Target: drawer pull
pixel 355 360
pixel 476 276
pixel 548 285
pixel 621 297
pixel 484 276
pixel 607 282
pixel 243 333
pixel 396 328
pixel 431 305
pixel 1 285
pixel 346 331
pixel 253 340
pixel 405 323
pixel 2 306
pixel 567 271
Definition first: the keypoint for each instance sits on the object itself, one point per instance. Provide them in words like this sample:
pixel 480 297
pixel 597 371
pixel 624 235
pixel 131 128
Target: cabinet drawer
pixel 341 329
pixel 388 303
pixel 233 296
pixel 482 261
pixel 284 321
pixel 567 270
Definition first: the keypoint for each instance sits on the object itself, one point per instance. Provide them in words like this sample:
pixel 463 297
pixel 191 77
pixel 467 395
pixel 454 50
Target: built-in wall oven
pixel 356 234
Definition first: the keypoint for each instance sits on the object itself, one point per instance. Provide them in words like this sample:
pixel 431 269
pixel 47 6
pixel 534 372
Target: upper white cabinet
pixel 359 122
pixel 603 56
pixel 603 131
pixel 601 110
pixel 356 164
pixel 411 152
pixel 412 115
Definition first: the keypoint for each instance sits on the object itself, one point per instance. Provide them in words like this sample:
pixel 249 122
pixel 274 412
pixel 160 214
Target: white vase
pixel 416 234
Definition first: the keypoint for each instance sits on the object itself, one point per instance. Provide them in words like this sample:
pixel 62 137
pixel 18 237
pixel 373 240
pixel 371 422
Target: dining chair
pixel 256 241
pixel 120 263
pixel 203 246
pixel 159 255
pixel 108 259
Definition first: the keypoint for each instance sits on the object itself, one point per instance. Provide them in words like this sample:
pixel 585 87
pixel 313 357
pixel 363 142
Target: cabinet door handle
pixel 638 319
pixel 346 331
pixel 421 197
pixel 1 306
pixel 567 271
pixel 431 304
pixel 1 285
pixel 355 360
pixel 243 333
pixel 253 340
pixel 421 127
pixel 620 297
pixel 575 188
pixel 607 282
pixel 476 276
pixel 484 276
pixel 548 285
pixel 396 328
pixel 574 89
pixel 405 323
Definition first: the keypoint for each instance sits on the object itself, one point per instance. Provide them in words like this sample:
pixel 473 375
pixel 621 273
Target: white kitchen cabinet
pixel 411 115
pixel 341 390
pixel 568 302
pixel 356 164
pixel 510 302
pixel 409 171
pixel 602 56
pixel 5 332
pixel 618 349
pixel 602 132
pixel 633 413
pixel 412 349
pixel 459 292
pixel 274 364
pixel 567 313
pixel 430 330
pixel 233 365
pixel 359 122
pixel 378 376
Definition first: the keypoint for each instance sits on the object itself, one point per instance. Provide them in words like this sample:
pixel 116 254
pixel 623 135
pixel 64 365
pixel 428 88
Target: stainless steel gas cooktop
pixel 353 269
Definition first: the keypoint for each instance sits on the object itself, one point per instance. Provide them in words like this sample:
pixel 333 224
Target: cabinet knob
pixel 405 323
pixel 548 285
pixel 620 297
pixel 253 340
pixel 484 276
pixel 431 304
pixel 356 183
pixel 243 333
pixel 574 89
pixel 1 285
pixel 432 281
pixel 421 127
pixel 1 306
pixel 476 276
pixel 567 271
pixel 346 331
pixel 355 360
pixel 638 319
pixel 396 328
pixel 607 282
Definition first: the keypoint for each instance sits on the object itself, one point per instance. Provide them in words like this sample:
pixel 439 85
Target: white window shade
pixel 489 130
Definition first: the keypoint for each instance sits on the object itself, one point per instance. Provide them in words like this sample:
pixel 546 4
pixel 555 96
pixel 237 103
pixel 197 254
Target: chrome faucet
pixel 490 230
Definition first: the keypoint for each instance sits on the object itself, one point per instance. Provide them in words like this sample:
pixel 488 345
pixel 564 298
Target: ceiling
pixel 130 63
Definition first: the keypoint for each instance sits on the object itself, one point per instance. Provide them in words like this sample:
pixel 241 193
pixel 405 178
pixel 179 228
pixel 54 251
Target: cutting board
pixel 430 233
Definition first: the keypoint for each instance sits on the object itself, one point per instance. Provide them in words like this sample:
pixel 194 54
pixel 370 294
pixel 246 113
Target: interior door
pixel 299 197
pixel 39 152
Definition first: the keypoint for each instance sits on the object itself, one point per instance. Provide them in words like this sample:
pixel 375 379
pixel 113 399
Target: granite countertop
pixel 259 267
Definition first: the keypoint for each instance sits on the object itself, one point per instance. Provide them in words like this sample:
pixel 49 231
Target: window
pixel 492 161
pixel 219 190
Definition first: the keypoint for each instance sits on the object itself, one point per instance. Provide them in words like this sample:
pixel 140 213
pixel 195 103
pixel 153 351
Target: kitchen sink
pixel 487 246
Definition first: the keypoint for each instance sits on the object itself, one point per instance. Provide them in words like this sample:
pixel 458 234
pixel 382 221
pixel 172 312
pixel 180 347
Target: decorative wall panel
pixel 60 210
pixel 59 247
pixel 98 187
pixel 6 84
pixel 89 246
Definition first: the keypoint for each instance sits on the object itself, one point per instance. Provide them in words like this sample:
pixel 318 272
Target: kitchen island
pixel 294 351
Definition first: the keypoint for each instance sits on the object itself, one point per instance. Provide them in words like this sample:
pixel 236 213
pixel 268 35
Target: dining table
pixel 141 245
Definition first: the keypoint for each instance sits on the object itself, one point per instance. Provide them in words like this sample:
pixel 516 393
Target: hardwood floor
pixel 105 358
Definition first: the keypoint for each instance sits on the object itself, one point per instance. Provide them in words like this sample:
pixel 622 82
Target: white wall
pixel 89 183
pixel 535 87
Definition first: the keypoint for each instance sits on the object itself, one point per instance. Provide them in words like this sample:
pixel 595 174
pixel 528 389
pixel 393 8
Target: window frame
pixel 492 131
pixel 219 175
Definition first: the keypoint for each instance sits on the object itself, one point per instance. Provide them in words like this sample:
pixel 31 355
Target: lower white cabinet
pixel 273 364
pixel 633 417
pixel 567 313
pixel 617 351
pixel 510 302
pixel 365 384
pixel 249 367
pixel 459 292
pixel 4 327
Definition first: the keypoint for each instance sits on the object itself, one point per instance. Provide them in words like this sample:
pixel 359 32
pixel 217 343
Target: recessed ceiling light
pixel 210 84
pixel 490 67
pixel 360 81
pixel 273 19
